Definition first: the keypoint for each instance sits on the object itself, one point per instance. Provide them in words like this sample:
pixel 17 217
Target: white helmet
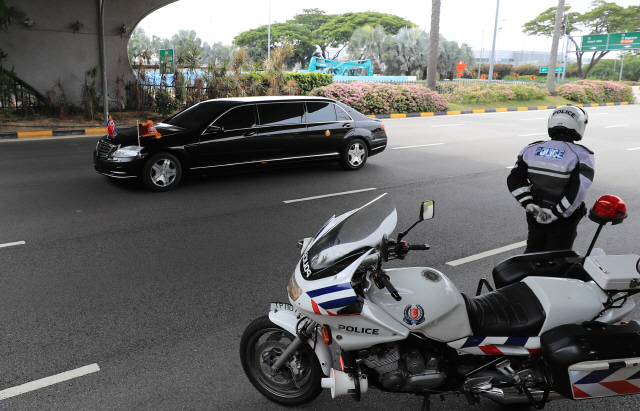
pixel 570 120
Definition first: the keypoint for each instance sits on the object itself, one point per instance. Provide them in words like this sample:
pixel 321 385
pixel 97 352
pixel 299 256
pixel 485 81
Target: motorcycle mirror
pixel 426 210
pixel 384 249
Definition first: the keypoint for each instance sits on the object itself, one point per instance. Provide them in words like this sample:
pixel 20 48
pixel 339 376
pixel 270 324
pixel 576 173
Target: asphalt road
pixel 155 289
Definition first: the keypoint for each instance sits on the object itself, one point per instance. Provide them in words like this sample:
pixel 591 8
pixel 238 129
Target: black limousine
pixel 242 132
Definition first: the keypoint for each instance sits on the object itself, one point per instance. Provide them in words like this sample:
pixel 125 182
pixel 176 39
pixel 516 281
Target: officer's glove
pixel 533 209
pixel 545 216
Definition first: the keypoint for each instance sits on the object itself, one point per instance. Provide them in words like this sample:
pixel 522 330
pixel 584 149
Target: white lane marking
pixel 328 195
pixel 47 381
pixel 635 148
pixel 536 118
pixel 486 254
pixel 12 244
pixel 511 167
pixel 620 125
pixel 421 145
pixel 447 125
pixel 535 134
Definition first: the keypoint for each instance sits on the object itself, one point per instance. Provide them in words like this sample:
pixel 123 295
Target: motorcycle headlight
pixel 293 289
pixel 130 151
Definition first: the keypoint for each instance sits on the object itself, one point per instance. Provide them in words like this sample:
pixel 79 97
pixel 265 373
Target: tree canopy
pixel 314 29
pixel 603 18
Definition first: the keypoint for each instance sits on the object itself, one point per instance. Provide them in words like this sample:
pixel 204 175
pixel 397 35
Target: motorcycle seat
pixel 513 310
pixel 544 264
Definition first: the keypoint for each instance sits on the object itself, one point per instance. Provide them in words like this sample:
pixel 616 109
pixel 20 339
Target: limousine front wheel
pixel 162 172
pixel 354 155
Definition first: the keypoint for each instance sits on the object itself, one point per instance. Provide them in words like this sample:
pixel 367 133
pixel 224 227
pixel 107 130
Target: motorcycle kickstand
pixel 426 404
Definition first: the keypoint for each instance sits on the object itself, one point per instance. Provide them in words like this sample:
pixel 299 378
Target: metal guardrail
pixel 15 96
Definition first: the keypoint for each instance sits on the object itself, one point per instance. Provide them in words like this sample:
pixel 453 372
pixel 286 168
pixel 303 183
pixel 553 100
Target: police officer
pixel 551 179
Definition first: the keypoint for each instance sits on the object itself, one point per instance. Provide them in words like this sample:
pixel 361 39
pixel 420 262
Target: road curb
pixel 51 133
pixel 487 110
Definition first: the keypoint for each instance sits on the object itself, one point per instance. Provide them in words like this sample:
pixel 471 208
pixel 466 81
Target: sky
pixel 465 21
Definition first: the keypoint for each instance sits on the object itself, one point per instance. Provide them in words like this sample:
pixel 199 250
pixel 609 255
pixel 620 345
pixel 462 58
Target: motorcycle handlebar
pixel 384 279
pixel 418 246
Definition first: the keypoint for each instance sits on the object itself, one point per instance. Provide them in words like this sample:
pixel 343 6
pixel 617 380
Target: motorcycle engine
pixel 403 368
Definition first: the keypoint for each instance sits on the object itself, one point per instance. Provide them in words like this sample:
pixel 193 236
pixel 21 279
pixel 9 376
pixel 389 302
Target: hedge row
pixel 595 91
pixel 377 98
pixel 481 93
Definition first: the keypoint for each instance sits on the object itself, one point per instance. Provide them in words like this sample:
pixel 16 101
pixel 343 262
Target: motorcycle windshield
pixel 360 231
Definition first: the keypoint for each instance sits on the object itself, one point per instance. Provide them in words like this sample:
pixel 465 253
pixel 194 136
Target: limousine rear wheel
pixel 355 155
pixel 162 172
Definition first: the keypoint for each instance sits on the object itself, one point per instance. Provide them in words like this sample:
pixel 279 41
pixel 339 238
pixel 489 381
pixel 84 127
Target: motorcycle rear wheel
pixel 260 346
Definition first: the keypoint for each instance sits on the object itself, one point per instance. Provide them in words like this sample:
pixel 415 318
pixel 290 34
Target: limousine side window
pixel 275 114
pixel 342 115
pixel 237 118
pixel 320 112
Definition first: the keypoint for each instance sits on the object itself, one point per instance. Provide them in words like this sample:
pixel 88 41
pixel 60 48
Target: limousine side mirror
pixel 214 129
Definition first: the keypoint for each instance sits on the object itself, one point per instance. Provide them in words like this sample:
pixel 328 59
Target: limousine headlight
pixel 293 289
pixel 129 151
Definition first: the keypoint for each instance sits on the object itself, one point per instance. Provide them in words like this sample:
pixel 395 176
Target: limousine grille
pixel 105 149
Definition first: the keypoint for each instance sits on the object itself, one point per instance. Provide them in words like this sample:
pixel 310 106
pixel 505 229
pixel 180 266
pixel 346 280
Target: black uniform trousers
pixel 558 235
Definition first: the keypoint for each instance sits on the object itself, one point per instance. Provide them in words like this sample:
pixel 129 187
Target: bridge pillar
pixel 64 42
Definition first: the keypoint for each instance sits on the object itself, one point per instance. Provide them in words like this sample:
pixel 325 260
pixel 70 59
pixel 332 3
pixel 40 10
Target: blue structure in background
pixel 348 68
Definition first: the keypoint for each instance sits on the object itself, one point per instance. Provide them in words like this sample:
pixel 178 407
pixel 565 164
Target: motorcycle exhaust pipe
pixel 342 383
pixel 512 395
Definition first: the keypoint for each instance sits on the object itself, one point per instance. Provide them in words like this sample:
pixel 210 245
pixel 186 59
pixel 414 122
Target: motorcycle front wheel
pixel 297 383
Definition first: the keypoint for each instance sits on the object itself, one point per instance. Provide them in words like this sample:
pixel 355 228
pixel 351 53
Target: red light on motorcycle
pixel 341 363
pixel 610 206
pixel 326 335
pixel 383 129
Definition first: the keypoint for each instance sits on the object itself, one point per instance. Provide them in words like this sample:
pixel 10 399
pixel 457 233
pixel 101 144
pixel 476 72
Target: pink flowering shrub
pixel 382 98
pixel 595 91
pixel 481 93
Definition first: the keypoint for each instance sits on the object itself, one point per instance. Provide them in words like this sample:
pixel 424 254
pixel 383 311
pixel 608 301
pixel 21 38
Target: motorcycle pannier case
pixel 593 359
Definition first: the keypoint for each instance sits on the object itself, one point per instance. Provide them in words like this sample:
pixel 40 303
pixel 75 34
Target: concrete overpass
pixel 62 39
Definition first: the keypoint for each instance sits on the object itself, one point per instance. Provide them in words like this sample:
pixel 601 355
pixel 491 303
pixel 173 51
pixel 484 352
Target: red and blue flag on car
pixel 111 127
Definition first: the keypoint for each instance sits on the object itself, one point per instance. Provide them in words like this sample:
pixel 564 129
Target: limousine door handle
pixel 250 133
pixel 346 125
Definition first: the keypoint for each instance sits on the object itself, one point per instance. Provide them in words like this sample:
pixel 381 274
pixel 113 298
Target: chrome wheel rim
pixel 356 154
pixel 163 172
pixel 264 349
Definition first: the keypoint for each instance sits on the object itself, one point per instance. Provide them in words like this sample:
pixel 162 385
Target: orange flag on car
pixel 147 129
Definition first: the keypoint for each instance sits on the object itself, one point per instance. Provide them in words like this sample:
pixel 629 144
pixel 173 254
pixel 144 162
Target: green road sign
pixel 594 42
pixel 624 41
pixel 167 61
pixel 559 69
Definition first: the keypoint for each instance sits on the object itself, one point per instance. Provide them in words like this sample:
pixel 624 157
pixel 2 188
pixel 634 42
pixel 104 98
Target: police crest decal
pixel 413 316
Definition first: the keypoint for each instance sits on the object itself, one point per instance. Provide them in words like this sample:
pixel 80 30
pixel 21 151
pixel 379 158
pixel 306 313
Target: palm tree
pixel 408 51
pixel 367 43
pixel 434 38
pixel 551 77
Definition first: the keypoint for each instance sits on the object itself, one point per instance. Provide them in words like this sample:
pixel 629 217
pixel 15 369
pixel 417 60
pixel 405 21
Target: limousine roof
pixel 266 98
pixel 232 101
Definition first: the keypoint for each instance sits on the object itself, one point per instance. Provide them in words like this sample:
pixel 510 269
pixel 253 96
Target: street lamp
pixel 481 53
pixel 493 48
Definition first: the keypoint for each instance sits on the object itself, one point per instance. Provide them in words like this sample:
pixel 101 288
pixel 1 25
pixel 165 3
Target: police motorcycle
pixel 550 330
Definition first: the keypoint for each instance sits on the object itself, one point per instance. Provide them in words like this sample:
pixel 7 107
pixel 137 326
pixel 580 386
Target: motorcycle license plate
pixel 282 306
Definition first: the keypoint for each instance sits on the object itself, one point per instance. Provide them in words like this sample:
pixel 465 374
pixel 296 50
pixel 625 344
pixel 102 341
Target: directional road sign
pixel 559 69
pixel 594 42
pixel 624 41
